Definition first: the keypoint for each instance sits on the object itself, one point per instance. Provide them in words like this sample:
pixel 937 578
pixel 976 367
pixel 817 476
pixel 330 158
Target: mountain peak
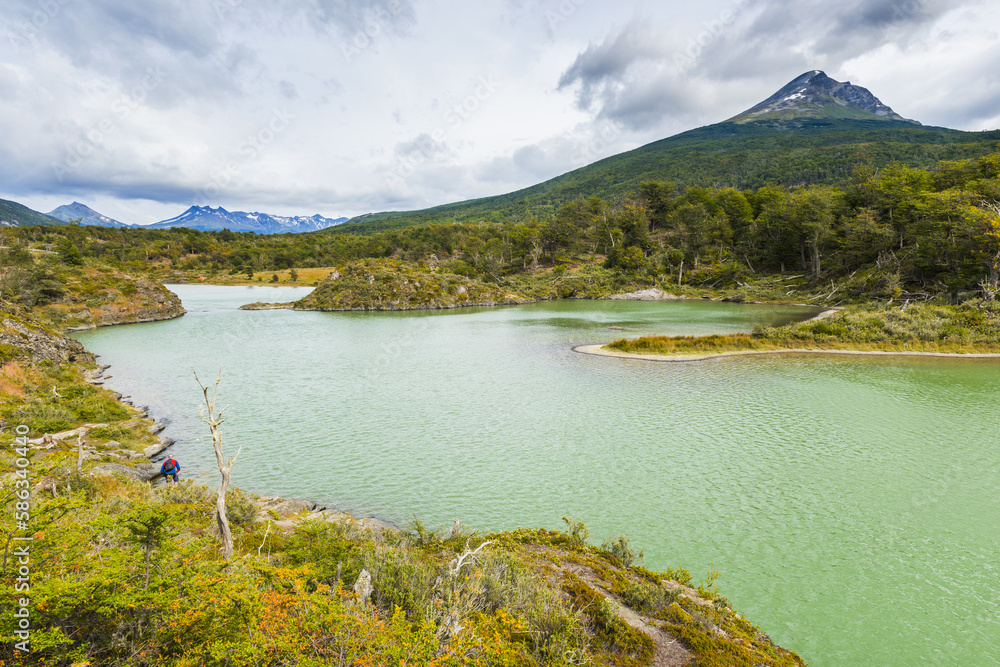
pixel 815 95
pixel 85 214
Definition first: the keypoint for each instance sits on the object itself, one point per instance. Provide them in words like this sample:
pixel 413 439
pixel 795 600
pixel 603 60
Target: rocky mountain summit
pixel 85 214
pixel 816 95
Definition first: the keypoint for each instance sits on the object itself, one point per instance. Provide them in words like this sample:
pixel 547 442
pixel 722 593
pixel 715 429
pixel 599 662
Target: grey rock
pixel 363 587
pixel 651 294
pixel 142 472
pixel 153 450
pixel 36 341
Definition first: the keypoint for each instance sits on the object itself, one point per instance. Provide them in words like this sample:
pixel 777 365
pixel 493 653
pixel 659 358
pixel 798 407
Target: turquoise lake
pixel 852 504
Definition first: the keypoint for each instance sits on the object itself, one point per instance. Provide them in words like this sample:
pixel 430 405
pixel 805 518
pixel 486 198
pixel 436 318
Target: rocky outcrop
pixel 288 511
pixel 21 337
pixel 395 285
pixel 143 301
pixel 651 294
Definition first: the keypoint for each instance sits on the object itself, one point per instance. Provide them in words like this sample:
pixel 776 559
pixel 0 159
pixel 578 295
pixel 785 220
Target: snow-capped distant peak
pixel 206 218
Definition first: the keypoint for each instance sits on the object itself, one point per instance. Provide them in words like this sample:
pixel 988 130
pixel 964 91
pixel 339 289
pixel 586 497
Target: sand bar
pixel 601 351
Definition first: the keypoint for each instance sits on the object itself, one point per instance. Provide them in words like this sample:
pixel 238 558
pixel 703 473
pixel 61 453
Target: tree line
pixel 929 229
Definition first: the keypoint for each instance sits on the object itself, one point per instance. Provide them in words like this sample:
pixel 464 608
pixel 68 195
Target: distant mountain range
pixel 203 218
pixel 812 130
pixel 207 218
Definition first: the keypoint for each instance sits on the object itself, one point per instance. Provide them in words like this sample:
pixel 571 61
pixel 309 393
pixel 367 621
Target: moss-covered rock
pixel 23 338
pixel 96 298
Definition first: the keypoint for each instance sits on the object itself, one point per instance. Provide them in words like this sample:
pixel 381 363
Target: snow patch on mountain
pixel 207 218
pixel 813 93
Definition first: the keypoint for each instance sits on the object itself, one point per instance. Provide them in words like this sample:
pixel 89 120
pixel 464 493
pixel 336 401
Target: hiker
pixel 169 469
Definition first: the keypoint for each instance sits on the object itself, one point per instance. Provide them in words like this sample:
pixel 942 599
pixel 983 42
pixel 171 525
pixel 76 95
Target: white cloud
pixel 315 106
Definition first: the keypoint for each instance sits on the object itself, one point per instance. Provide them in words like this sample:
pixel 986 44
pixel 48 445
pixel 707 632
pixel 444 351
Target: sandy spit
pixel 599 350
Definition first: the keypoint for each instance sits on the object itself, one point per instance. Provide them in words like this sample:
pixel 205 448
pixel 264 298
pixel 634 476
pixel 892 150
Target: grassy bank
pixel 972 327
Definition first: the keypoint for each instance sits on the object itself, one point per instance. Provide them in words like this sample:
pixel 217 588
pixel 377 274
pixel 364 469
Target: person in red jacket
pixel 170 468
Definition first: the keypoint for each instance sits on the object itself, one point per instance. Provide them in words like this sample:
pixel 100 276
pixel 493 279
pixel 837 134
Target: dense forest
pixel 910 231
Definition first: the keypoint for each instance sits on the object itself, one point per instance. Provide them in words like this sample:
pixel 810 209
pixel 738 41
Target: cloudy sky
pixel 341 107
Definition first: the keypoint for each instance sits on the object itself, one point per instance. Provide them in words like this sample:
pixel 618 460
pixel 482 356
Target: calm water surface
pixel 852 504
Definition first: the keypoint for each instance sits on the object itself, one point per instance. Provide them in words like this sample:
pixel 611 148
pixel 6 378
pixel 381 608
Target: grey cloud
pixel 123 41
pixel 793 36
pixel 637 77
pixel 361 16
pixel 423 145
pixel 288 90
pixel 603 67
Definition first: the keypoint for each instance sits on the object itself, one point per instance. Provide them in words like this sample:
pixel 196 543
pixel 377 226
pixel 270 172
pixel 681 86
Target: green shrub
pixel 240 509
pixel 45 418
pixel 578 532
pixel 112 432
pixel 646 597
pixel 620 549
pixel 98 408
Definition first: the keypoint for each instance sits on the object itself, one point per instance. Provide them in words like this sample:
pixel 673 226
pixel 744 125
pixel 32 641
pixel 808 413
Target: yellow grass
pixel 307 278
pixel 12 379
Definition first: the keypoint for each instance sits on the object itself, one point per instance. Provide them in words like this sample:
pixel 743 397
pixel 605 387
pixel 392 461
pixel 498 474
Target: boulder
pixel 363 588
pixel 142 472
pixel 651 294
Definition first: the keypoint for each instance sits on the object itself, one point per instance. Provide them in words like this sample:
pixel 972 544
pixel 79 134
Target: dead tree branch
pixel 214 420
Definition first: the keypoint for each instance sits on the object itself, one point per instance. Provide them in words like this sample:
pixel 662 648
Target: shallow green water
pixel 852 504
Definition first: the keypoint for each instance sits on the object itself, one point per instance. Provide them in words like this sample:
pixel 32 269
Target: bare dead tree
pixel 80 454
pixel 214 420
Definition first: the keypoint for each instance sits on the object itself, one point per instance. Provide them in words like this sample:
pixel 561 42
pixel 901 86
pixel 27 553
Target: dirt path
pixel 669 652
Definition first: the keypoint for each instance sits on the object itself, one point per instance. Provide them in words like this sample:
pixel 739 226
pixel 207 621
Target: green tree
pixel 68 252
pixel 658 197
pixel 147 528
pixel 813 214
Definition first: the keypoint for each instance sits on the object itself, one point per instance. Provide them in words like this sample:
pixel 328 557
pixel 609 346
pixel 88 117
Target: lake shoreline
pixel 600 351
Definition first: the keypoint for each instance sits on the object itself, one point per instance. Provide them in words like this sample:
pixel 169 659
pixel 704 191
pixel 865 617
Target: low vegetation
pixel 972 327
pixel 63 291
